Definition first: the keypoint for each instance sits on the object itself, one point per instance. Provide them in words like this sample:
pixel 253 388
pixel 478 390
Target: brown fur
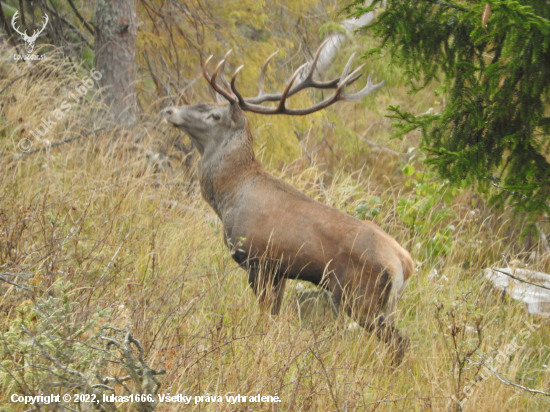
pixel 276 232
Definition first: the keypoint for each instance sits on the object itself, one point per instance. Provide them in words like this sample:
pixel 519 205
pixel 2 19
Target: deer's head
pixel 29 40
pixel 212 123
pixel 208 125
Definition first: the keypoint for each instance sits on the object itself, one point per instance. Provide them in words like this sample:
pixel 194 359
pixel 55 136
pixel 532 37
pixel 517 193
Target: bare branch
pixel 3 279
pixel 520 279
pixel 43 148
pixel 84 22
pixel 509 382
pixel 405 157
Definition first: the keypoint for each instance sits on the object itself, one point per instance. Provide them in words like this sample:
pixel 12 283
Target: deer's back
pixel 272 219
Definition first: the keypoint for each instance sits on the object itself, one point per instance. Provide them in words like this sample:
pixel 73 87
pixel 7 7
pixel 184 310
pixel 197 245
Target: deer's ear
pixel 238 117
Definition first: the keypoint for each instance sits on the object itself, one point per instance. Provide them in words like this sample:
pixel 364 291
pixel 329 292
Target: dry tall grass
pixel 141 242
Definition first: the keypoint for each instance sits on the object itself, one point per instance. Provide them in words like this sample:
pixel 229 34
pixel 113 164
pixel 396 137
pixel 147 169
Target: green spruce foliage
pixel 493 59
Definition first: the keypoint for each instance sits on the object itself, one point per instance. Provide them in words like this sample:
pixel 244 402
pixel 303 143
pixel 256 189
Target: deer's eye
pixel 214 116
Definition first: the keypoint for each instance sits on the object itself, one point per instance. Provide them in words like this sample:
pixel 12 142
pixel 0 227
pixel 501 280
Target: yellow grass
pixel 143 243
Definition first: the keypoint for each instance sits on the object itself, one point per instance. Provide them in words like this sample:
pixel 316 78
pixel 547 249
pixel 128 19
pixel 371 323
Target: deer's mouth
pixel 170 115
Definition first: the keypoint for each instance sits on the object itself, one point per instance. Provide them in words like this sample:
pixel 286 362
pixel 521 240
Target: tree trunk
pixel 337 39
pixel 115 56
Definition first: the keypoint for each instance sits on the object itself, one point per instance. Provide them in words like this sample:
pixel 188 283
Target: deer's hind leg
pixel 371 304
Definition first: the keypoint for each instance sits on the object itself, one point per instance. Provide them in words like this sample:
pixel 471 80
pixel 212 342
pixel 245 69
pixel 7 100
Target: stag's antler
pixel 15 28
pixel 26 37
pixel 252 104
pixel 46 19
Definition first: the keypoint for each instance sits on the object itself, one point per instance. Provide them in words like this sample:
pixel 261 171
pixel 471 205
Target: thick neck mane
pixel 221 171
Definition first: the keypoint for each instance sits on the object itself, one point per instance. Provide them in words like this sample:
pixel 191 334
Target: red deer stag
pixel 276 232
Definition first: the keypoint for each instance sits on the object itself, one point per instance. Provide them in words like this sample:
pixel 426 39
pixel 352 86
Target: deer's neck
pixel 225 168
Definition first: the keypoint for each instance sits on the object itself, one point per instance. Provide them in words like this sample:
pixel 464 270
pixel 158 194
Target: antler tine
pixel 354 75
pixel 369 88
pixel 281 106
pixel 261 91
pixel 313 64
pixel 347 66
pixel 212 80
pixel 234 89
pixel 204 71
pixel 222 70
pixel 349 79
pixel 221 90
